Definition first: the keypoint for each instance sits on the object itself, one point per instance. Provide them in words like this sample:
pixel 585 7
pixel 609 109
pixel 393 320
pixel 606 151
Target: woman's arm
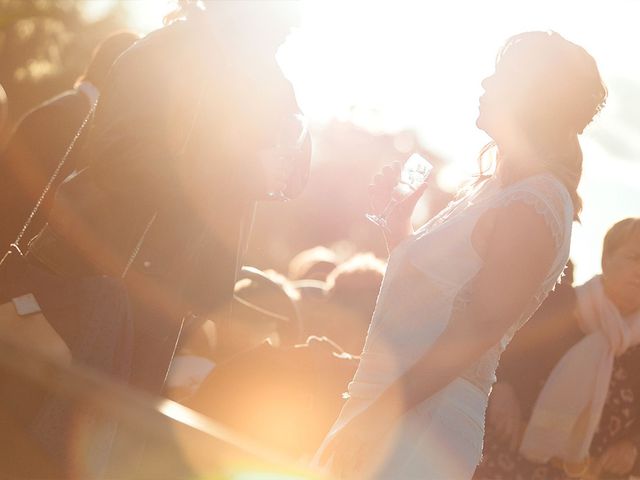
pixel 518 255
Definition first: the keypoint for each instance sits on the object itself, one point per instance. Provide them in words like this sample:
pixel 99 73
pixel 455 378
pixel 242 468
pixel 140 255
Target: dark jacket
pixel 175 133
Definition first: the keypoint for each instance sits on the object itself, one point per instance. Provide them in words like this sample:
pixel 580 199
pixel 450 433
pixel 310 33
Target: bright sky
pixel 390 65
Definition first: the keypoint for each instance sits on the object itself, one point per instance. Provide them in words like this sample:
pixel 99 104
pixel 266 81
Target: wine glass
pixel 414 173
pixel 292 137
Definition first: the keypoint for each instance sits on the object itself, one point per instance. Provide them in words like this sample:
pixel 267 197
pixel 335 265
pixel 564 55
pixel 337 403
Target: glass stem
pixel 388 209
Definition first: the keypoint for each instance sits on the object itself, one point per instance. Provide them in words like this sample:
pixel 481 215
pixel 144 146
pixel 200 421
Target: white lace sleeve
pixel 552 201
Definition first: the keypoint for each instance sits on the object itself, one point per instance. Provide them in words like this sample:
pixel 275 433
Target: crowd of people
pixel 127 211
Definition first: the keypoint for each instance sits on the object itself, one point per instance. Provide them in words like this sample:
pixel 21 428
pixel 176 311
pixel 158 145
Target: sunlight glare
pixel 147 15
pixel 392 66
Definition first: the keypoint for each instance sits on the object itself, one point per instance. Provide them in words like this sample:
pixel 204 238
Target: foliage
pixel 45 45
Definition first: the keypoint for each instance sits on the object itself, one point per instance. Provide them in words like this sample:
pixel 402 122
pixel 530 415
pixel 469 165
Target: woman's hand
pixel 350 450
pixel 618 459
pixel 505 415
pixel 399 218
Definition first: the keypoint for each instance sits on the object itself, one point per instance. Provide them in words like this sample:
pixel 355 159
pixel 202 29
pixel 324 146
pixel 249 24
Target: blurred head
pixel 545 90
pixel 621 265
pixel 313 264
pixel 356 282
pixel 353 288
pixel 105 54
pixel 264 309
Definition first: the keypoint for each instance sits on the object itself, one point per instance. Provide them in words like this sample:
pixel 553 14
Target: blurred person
pixel 312 305
pixel 456 290
pixel 313 264
pixel 267 384
pixel 571 407
pixel 264 310
pixel 41 138
pixel 351 291
pixel 529 358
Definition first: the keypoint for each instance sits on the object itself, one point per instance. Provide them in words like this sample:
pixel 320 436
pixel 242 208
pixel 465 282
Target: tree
pixel 45 45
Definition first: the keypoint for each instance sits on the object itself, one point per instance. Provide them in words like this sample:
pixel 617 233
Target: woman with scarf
pixel 585 422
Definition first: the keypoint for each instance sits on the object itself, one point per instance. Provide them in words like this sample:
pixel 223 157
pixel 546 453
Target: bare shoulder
pixel 517 227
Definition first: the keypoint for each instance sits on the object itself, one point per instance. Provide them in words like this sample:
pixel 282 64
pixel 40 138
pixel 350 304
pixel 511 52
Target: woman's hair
pixel 560 92
pixel 621 233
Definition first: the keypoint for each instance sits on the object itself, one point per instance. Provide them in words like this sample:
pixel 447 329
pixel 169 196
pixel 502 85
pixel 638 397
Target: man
pixel 184 141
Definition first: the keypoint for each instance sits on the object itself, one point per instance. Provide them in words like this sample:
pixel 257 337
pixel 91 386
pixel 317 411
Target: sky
pixel 394 65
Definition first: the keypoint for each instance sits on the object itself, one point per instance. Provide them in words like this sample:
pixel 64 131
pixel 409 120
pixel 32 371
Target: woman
pixel 456 290
pixel 601 335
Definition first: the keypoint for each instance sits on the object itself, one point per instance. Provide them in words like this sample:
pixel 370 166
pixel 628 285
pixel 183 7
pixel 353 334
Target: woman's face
pixel 521 99
pixel 621 274
pixel 504 96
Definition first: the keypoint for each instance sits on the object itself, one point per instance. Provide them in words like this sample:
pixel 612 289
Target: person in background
pixel 313 264
pixel 41 138
pixel 571 407
pixel 264 310
pixel 268 383
pixel 91 315
pixel 352 289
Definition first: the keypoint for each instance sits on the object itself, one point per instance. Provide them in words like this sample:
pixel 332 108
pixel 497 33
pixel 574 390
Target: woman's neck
pixel 514 165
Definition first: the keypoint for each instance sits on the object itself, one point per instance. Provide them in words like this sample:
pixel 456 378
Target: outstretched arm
pixel 518 255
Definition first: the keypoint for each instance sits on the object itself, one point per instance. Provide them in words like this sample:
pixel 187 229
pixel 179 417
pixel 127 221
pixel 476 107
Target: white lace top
pixel 430 274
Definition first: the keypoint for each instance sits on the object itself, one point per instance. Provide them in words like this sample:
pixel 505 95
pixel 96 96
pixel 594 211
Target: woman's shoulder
pixel 544 191
pixel 543 184
pixel 547 196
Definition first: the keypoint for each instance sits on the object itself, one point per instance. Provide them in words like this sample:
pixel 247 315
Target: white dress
pixel 428 276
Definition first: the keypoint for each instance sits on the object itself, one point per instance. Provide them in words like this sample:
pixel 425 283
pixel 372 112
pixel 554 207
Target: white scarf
pixel 568 410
